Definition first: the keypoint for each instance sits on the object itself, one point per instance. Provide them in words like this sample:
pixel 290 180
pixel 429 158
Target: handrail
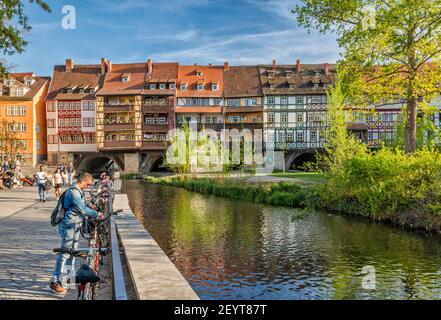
pixel 118 283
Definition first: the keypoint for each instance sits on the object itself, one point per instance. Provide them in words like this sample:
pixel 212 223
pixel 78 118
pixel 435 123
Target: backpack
pixel 59 210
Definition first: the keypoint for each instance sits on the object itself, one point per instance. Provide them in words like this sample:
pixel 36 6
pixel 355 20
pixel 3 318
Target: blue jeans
pixel 69 179
pixel 41 191
pixel 70 233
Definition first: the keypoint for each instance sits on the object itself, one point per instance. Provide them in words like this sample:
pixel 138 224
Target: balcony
pixel 201 126
pixel 155 109
pixel 120 145
pixel 154 145
pixel 258 108
pixel 357 126
pixel 119 126
pixel 155 127
pixel 109 108
pixel 198 109
pixel 243 125
pixel 155 102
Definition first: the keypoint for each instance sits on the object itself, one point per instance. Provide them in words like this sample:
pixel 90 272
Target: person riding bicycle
pixel 69 227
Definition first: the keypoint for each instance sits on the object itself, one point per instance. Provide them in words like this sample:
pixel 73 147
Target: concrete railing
pixel 153 275
pixel 118 281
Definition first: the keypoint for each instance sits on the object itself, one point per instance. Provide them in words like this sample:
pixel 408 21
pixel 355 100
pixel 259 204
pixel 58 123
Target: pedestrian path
pixel 26 243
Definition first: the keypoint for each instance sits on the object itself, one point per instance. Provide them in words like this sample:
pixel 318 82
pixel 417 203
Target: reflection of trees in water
pixel 218 243
pixel 404 262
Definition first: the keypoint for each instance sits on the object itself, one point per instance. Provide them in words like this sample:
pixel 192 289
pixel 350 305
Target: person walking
pixel 69 228
pixel 63 173
pixel 70 173
pixel 58 182
pixel 17 164
pixel 1 177
pixel 41 177
pixel 6 166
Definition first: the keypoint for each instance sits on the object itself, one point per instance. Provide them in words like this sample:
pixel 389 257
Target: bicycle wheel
pixel 84 292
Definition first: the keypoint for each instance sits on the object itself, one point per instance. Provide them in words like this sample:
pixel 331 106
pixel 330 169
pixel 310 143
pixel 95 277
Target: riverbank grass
pixel 276 194
pixel 302 177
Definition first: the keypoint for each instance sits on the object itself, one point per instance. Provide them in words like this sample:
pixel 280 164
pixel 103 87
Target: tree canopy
pixel 13 23
pixel 391 50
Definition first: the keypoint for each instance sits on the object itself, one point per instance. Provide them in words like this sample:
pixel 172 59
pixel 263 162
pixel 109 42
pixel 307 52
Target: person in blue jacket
pixel 69 228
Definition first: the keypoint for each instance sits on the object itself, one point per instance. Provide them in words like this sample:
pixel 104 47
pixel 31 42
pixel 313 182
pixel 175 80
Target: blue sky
pixel 187 31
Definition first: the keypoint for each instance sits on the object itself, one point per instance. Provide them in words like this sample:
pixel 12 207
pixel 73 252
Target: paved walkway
pixel 26 243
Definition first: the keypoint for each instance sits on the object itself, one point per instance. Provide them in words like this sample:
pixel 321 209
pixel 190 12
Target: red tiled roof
pixel 39 83
pixel 301 82
pixel 21 75
pixel 81 75
pixel 210 74
pixel 242 81
pixel 163 72
pixel 114 85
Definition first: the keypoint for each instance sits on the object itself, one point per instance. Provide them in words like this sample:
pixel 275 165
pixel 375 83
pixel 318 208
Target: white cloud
pixel 186 35
pixel 285 46
pixel 128 5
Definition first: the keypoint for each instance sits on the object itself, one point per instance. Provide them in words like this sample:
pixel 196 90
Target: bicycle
pixel 86 277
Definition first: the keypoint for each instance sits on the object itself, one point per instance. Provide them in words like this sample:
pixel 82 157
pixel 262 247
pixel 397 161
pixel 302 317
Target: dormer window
pixel 29 82
pixel 69 90
pixel 152 86
pixel 199 73
pixel 200 87
pixel 316 85
pixel 92 90
pixel 172 86
pixel 183 87
pixel 288 73
pixel 125 79
pixel 81 90
pixel 215 86
pixel 162 86
pixel 270 74
pixel 317 74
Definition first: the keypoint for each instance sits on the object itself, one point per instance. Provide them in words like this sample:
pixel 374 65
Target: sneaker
pixel 57 288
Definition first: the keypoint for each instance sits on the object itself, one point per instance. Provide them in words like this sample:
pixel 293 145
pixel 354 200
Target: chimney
pixel 109 66
pixel 226 66
pixel 69 65
pixel 298 66
pixel 274 65
pixel 103 65
pixel 149 66
pixel 326 69
pixel 210 64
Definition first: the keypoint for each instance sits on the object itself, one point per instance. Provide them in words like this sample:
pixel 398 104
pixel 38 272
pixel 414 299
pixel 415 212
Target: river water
pixel 230 249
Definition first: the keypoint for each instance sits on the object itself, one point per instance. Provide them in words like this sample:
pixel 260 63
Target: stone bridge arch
pixel 296 158
pixel 98 162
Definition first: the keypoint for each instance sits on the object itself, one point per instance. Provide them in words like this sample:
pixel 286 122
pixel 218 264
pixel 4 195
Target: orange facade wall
pixel 35 113
pixel 40 118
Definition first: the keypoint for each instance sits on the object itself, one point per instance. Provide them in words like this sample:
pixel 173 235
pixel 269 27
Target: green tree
pixel 340 144
pixel 401 36
pixel 13 23
pixel 10 141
